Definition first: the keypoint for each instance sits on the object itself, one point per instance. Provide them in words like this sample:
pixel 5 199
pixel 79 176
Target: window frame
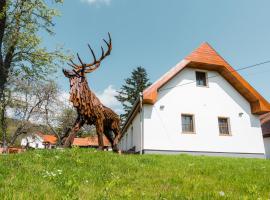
pixel 206 78
pixel 229 126
pixel 193 123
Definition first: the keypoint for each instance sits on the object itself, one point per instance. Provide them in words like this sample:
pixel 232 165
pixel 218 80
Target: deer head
pixel 79 70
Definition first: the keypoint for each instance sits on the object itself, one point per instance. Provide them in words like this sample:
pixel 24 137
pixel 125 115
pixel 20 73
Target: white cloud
pixel 107 97
pixel 97 2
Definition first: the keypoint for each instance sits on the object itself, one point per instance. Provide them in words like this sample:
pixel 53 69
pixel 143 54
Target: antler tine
pixel 102 52
pixel 80 60
pixel 96 63
pixel 74 67
pixel 110 39
pixel 109 44
pixel 92 53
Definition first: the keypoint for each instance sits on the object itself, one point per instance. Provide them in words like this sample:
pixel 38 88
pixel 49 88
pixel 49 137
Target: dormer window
pixel 201 79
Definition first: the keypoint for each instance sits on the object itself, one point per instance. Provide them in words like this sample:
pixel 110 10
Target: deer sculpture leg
pixel 77 126
pixel 100 129
pixel 111 139
pixel 108 135
pixel 115 127
pixel 116 139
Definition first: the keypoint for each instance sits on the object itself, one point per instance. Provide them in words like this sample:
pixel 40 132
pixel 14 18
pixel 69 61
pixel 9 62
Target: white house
pixel 39 140
pixel 201 106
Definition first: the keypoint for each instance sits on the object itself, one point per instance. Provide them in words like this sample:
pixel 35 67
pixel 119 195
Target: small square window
pixel 224 126
pixel 201 79
pixel 187 123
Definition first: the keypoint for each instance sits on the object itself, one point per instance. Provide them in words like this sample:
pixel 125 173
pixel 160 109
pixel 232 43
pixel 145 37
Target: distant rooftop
pixel 89 141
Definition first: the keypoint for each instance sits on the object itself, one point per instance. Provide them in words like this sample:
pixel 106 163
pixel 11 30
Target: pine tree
pixel 131 89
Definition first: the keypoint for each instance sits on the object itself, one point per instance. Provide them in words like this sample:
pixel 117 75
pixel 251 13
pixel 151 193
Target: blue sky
pixel 156 34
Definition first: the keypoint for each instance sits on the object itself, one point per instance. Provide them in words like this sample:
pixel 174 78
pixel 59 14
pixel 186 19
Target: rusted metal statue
pixel 89 108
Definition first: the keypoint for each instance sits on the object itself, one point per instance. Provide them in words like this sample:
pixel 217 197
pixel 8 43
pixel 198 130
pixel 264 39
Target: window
pixel 224 127
pixel 201 79
pixel 187 123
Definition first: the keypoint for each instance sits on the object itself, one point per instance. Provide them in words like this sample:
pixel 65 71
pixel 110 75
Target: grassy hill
pixel 87 174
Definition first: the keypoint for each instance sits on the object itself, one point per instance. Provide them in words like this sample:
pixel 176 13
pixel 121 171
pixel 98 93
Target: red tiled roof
pixel 265 124
pixel 89 141
pixel 47 138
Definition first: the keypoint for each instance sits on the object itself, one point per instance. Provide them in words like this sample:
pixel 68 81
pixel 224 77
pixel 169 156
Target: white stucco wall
pixel 132 138
pixel 163 131
pixel 267 147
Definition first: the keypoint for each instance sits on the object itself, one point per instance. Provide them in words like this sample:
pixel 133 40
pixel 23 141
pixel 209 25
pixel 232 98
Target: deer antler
pixel 87 68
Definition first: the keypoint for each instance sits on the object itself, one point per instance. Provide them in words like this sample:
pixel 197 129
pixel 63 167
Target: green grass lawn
pixel 87 174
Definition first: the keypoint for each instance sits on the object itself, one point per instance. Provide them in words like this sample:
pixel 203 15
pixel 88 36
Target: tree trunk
pixel 3 82
pixel 3 127
pixel 18 132
pixel 3 73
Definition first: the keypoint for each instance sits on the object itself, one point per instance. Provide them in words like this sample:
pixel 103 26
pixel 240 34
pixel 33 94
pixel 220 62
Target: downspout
pixel 141 122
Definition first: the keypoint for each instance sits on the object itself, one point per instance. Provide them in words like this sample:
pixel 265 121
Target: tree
pixel 20 47
pixel 65 121
pixel 131 89
pixel 32 103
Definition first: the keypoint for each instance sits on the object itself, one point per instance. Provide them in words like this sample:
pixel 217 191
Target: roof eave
pixel 131 115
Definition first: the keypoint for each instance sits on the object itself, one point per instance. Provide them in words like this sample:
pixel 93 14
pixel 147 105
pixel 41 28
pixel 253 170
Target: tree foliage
pixel 21 50
pixel 66 119
pixel 131 89
pixel 21 47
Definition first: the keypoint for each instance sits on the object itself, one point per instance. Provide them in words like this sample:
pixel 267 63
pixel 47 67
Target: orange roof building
pixel 39 140
pixel 51 139
pixel 91 141
pixel 204 96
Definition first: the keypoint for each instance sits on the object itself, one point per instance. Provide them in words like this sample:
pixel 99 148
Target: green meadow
pixel 88 174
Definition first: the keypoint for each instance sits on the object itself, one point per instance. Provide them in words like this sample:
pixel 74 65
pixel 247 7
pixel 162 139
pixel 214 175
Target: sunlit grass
pixel 87 174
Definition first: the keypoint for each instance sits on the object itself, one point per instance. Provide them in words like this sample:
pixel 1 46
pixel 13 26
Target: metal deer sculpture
pixel 89 108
